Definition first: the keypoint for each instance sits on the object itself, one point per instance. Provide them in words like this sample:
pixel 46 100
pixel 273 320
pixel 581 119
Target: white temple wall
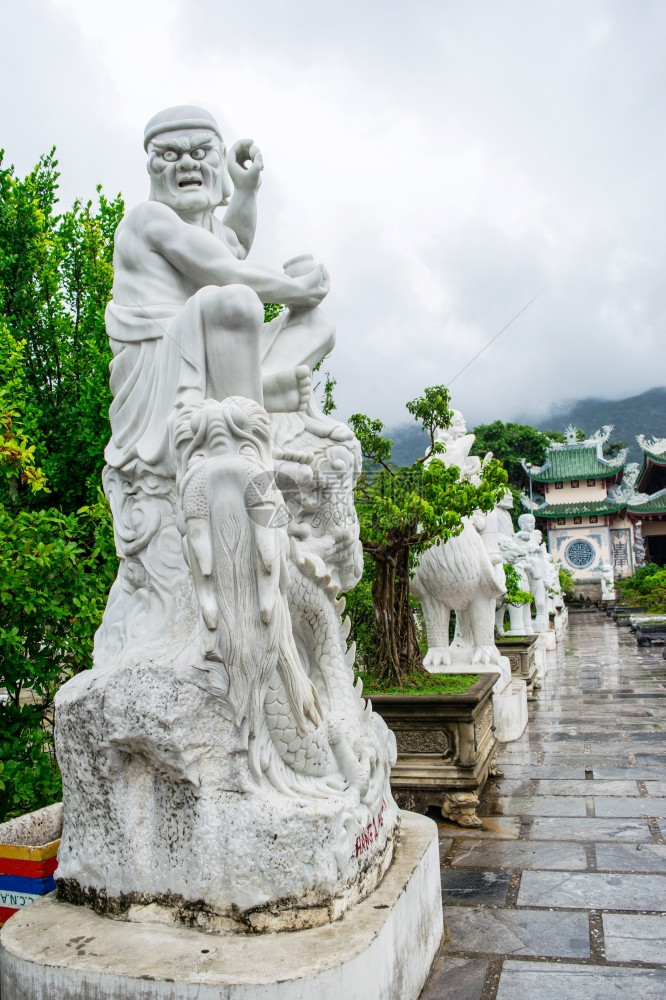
pixel 576 494
pixel 590 545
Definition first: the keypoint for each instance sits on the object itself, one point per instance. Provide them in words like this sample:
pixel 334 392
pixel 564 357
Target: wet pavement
pixel 562 894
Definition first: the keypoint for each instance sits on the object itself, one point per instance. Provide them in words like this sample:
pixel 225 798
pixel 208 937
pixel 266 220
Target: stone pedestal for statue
pixel 541 650
pixel 465 574
pixel 548 639
pixel 510 707
pixel 509 693
pixel 561 621
pixel 222 774
pixel 381 948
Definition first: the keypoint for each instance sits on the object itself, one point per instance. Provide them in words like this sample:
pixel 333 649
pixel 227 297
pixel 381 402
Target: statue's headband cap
pixel 180 117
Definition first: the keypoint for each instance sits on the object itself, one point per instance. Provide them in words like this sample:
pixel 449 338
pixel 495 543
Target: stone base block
pixel 446 748
pixel 381 949
pixel 162 806
pixel 521 656
pixel 548 640
pixel 510 708
pixel 540 661
pixel 559 626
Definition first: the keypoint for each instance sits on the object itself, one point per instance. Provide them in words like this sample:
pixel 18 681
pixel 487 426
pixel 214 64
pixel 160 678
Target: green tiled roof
pixel 578 509
pixel 650 458
pixel 656 504
pixel 574 462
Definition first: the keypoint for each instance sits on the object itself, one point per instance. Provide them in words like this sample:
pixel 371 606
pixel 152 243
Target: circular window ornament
pixel 579 554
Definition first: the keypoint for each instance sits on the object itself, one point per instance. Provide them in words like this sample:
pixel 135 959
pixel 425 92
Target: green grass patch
pixel 419 683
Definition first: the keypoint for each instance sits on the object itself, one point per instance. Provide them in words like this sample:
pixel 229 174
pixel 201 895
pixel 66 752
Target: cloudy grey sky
pixel 447 160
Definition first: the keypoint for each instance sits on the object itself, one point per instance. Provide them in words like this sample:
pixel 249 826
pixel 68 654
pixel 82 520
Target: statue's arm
pixel 245 164
pixel 466 443
pixel 240 222
pixel 205 260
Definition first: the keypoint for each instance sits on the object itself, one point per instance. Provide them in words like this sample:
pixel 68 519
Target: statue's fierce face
pixel 188 170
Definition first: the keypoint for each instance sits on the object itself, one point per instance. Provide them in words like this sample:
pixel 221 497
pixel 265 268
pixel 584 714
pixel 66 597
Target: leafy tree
pixel 57 558
pixel 361 612
pixel 55 571
pixel 613 448
pixel 17 455
pixel 404 510
pixel 328 404
pixel 55 574
pixel 509 444
pixel 271 310
pixel 55 280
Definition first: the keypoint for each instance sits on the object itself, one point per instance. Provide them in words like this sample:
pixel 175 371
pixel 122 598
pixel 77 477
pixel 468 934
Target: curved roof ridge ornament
pixel 533 470
pixel 656 446
pixel 601 436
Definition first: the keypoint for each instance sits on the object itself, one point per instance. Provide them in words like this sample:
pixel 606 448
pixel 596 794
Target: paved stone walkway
pixel 562 894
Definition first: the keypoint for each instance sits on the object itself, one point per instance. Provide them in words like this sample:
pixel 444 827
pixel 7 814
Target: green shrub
pixel 514 595
pixel 55 574
pixel 566 584
pixel 646 587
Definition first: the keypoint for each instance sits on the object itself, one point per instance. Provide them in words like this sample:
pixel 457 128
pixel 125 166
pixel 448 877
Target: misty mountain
pixel 642 414
pixel 409 443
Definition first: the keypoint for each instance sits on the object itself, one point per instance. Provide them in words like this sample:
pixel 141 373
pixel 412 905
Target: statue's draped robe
pixel 158 366
pixel 153 369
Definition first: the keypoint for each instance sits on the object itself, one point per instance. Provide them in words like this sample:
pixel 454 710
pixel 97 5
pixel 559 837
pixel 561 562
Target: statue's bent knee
pixel 233 307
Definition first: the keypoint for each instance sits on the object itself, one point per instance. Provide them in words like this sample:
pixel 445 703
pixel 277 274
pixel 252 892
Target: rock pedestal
pixel 381 949
pixel 162 808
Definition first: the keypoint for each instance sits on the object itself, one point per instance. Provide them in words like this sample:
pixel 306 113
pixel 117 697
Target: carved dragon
pixel 273 637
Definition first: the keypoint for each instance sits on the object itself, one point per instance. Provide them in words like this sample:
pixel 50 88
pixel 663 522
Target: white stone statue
pixel 463 574
pixel 458 444
pixel 537 567
pixel 218 762
pixel 607 581
pixel 515 549
pixel 639 543
pixel 555 595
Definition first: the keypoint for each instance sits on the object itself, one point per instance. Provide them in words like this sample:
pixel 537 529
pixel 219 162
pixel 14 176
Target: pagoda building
pixel 581 503
pixel 648 510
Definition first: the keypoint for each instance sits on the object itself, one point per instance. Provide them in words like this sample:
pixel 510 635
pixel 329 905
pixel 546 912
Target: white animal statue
pixel 463 574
